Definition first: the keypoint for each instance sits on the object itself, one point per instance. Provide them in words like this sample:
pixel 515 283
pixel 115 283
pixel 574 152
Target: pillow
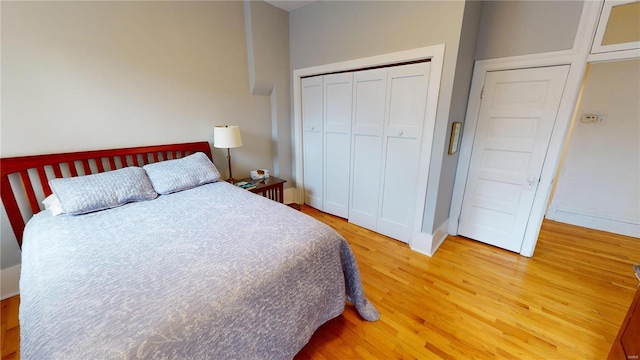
pixel 83 194
pixel 52 204
pixel 181 174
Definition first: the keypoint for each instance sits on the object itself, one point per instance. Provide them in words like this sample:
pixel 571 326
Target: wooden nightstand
pixel 271 187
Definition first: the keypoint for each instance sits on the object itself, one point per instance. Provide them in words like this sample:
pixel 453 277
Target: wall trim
pixel 615 56
pixel 597 46
pixel 10 282
pixel 291 196
pixel 436 55
pixel 428 244
pixel 577 59
pixel 595 221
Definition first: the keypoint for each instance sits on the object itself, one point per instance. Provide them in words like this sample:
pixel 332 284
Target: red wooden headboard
pixel 24 180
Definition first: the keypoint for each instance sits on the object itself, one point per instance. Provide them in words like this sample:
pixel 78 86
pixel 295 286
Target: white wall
pixel 522 27
pixel 95 75
pixel 599 183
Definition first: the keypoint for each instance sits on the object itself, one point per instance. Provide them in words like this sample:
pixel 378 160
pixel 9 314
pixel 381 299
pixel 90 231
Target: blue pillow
pixel 181 174
pixel 83 194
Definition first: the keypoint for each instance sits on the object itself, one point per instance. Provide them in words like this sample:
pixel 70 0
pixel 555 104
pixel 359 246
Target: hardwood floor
pixel 10 329
pixel 471 300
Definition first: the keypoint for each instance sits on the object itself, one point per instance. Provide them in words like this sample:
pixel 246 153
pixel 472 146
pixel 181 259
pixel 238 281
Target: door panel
pixel 369 91
pixel 515 122
pixel 400 186
pixel 336 198
pixel 406 105
pixel 312 141
pixel 337 142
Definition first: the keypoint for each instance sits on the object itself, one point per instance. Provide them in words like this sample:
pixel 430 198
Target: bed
pixel 208 271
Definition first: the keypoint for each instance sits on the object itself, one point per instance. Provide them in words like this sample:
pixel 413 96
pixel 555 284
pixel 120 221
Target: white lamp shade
pixel 226 136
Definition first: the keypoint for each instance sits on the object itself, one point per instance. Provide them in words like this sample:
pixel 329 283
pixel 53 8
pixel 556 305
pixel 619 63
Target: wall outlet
pixel 589 118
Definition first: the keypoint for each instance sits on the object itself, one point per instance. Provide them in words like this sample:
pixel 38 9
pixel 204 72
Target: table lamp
pixel 227 136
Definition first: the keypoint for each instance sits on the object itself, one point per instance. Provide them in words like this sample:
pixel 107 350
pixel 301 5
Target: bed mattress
pixel 214 272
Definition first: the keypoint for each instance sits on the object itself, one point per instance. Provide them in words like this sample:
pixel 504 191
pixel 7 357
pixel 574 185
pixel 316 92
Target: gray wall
pixel 443 169
pixel 511 28
pixel 269 75
pixel 327 32
pixel 95 75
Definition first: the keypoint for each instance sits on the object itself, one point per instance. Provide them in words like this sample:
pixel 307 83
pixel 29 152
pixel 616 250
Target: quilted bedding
pixel 214 272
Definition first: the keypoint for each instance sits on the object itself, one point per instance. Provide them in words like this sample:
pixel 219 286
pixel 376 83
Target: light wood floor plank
pixel 470 301
pixel 476 301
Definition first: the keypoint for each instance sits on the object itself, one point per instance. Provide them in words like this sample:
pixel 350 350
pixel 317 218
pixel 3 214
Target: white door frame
pixel 577 59
pixel 435 54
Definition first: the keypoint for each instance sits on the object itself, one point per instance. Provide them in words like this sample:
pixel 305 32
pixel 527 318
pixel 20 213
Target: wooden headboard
pixel 24 181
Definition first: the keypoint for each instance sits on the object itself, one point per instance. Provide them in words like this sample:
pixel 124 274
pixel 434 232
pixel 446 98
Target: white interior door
pixel 312 140
pixel 337 142
pixel 517 113
pixel 369 92
pixel 406 105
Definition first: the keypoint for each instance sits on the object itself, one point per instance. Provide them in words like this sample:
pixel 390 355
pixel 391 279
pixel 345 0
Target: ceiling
pixel 289 5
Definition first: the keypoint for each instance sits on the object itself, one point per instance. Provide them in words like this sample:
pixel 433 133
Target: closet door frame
pixel 435 54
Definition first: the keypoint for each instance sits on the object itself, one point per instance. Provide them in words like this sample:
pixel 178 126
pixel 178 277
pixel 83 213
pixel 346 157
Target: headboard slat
pixel 57 170
pixel 112 163
pixel 135 160
pixel 72 168
pixel 26 182
pixel 44 181
pixel 86 167
pixel 11 206
pixel 99 164
pixel 22 165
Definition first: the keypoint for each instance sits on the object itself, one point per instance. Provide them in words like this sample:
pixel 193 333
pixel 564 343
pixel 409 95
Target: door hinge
pixel 481 93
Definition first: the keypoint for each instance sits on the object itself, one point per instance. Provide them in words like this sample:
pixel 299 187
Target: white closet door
pixel 515 123
pixel 406 106
pixel 337 143
pixel 312 140
pixel 369 92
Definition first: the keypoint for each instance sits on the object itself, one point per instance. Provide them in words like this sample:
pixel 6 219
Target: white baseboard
pixel 291 196
pixel 594 221
pixel 428 243
pixel 9 282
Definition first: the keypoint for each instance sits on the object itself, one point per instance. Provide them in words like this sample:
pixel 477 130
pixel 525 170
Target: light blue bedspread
pixel 214 272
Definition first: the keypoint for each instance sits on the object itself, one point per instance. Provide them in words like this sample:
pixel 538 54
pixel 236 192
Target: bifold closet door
pixel 312 119
pixel 406 106
pixel 369 92
pixel 337 142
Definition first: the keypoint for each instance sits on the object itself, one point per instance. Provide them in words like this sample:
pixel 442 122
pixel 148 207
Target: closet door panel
pixel 337 142
pixel 312 139
pixel 399 190
pixel 407 97
pixel 336 199
pixel 406 106
pixel 369 92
